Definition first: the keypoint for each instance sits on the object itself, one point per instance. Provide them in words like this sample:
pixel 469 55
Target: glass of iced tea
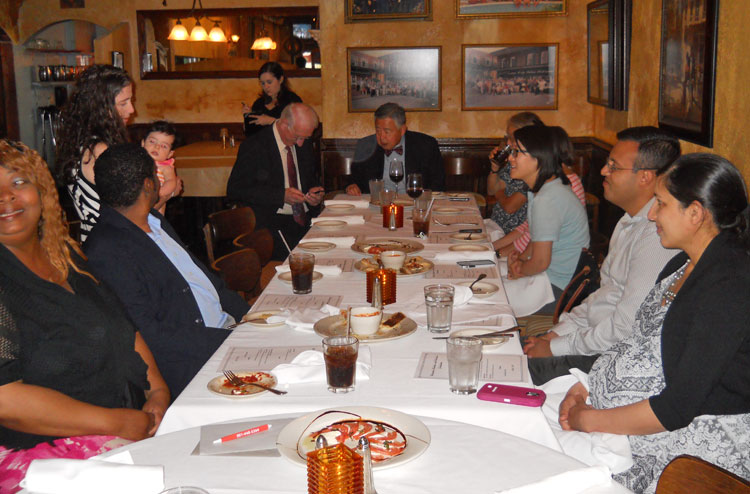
pixel 340 354
pixel 421 220
pixel 302 265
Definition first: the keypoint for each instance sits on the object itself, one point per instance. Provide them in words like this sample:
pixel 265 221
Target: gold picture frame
pixel 482 9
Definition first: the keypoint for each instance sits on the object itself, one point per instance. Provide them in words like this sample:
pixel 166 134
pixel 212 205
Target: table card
pixel 456 272
pixel 346 265
pixel 259 444
pixel 261 358
pixel 276 301
pixel 502 368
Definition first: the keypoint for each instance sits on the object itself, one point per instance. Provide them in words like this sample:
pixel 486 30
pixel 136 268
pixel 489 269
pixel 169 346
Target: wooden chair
pixel 335 167
pixel 467 174
pixel 262 242
pixel 223 227
pixel 240 270
pixel 689 474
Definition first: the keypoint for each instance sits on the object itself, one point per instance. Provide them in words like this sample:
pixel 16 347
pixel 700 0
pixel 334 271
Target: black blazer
pixel 257 178
pixel 157 297
pixel 422 156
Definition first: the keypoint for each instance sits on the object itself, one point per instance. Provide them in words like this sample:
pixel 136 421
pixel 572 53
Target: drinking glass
pixel 387 195
pixel 376 185
pixel 302 266
pixel 464 356
pixel 423 201
pixel 414 185
pixel 439 301
pixel 421 220
pixel 340 355
pixel 396 172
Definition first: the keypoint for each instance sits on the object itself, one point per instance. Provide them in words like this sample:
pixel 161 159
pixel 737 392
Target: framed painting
pixel 688 68
pixel 72 4
pixel 509 8
pixel 409 76
pixel 387 10
pixel 509 77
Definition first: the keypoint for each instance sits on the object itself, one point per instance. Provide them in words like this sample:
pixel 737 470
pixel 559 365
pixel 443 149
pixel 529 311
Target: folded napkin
pixel 309 367
pixel 60 476
pixel 528 294
pixel 357 203
pixel 339 241
pixel 414 307
pixel 305 319
pixel 324 270
pixel 350 219
pixel 493 230
pixel 570 482
pixel 465 255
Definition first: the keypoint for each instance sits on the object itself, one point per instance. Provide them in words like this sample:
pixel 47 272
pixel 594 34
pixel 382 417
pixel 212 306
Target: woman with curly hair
pixel 273 98
pixel 76 378
pixel 94 119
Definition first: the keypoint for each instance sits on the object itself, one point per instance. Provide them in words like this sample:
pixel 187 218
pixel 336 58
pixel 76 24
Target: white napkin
pixel 60 476
pixel 570 482
pixel 309 367
pixel 493 230
pixel 528 294
pixel 324 270
pixel 339 241
pixel 305 320
pixel 463 311
pixel 350 219
pixel 357 203
pixel 465 255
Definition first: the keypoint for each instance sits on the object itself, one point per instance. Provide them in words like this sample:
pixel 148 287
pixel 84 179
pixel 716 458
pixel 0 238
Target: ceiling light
pixel 217 35
pixel 264 43
pixel 178 32
pixel 198 33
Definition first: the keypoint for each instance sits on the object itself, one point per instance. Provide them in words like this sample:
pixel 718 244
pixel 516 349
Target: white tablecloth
pixel 392 383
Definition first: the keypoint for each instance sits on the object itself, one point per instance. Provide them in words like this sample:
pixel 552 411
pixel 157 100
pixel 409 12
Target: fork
pixel 236 381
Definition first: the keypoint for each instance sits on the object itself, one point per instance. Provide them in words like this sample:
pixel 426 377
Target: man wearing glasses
pixel 630 269
pixel 275 175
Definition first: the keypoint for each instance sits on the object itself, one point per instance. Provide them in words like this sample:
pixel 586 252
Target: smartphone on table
pixel 512 395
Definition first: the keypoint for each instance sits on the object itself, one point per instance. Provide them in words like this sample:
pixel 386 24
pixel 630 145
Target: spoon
pixel 479 278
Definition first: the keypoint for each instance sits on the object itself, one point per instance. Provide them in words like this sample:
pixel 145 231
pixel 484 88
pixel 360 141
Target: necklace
pixel 670 294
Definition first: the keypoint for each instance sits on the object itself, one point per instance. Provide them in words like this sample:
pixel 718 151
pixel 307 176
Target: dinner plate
pixel 219 385
pixel 340 207
pixel 316 246
pixel 366 264
pixel 489 342
pixel 336 326
pixel 468 248
pixel 286 277
pixel 402 244
pixel 481 289
pixel 465 238
pixel 295 441
pixel 447 210
pixel 259 319
pixel 406 202
pixel 331 225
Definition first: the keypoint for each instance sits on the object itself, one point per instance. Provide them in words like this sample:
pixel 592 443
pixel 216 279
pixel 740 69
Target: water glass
pixel 376 185
pixel 464 356
pixel 387 196
pixel 439 301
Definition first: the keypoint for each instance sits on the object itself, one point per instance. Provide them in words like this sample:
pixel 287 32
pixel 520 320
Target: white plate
pixel 217 385
pixel 481 289
pixel 474 238
pixel 491 342
pixel 316 246
pixel 468 248
pixel 403 244
pixel 331 225
pixel 340 207
pixel 447 210
pixel 287 276
pixel 293 441
pixel 259 319
pixel 336 326
pixel 364 265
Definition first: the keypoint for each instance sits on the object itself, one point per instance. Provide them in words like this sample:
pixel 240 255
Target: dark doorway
pixel 8 107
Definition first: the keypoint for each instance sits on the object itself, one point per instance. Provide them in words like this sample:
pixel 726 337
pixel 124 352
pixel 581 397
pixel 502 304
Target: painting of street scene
pixel 364 10
pixel 509 77
pixel 407 76
pixel 492 8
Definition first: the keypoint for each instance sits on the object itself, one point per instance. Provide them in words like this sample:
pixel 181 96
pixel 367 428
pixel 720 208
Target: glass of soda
pixel 302 265
pixel 340 354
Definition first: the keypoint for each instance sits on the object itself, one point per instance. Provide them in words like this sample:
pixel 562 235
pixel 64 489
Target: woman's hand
pixel 133 424
pixel 572 405
pixel 261 119
pixel 515 266
pixel 246 109
pixel 156 406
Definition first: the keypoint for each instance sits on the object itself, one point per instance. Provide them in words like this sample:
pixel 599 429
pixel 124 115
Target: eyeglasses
pixel 613 167
pixel 514 152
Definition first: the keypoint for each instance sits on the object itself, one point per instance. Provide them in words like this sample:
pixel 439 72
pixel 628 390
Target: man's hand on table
pixel 537 347
pixel 314 196
pixel 353 190
pixel 293 196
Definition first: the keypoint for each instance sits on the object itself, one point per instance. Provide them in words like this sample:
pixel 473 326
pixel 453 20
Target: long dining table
pixel 398 377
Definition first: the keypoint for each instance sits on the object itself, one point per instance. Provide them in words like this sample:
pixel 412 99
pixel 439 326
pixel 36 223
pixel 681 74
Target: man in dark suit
pixel 179 306
pixel 275 175
pixel 392 141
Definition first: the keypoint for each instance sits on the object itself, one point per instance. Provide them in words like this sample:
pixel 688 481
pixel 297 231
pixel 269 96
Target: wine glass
pixel 414 185
pixel 396 172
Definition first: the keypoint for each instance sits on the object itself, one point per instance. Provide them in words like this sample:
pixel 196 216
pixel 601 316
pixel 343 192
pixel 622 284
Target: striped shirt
pixel 86 202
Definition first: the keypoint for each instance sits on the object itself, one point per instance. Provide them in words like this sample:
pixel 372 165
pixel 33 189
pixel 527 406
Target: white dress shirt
pixel 628 273
pixel 287 208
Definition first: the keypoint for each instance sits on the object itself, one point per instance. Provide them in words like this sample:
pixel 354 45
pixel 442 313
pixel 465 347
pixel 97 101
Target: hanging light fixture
pixel 216 34
pixel 263 42
pixel 198 33
pixel 179 32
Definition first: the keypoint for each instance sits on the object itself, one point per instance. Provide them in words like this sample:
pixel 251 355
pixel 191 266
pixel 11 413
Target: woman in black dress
pixel 271 101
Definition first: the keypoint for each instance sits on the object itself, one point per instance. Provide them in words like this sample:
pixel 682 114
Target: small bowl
pixel 366 320
pixel 393 259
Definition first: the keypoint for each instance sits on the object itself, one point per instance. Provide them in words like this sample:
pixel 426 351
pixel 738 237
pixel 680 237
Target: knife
pixel 505 332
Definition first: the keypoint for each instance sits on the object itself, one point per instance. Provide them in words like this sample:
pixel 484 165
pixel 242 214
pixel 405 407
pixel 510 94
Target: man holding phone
pixel 275 175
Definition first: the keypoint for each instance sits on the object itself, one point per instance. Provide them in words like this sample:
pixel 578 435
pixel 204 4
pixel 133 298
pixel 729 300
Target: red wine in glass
pixel 414 185
pixel 396 172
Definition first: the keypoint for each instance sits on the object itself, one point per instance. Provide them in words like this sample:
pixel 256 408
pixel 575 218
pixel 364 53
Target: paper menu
pixel 294 302
pixel 261 358
pixel 455 272
pixel 495 368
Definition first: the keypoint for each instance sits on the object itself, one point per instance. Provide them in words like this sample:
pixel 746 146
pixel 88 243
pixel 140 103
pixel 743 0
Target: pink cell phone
pixel 513 395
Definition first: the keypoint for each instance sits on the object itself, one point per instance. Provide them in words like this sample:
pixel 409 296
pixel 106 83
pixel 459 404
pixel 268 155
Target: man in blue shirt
pixel 179 306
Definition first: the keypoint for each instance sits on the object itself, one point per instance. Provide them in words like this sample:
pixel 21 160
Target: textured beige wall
pixel 732 98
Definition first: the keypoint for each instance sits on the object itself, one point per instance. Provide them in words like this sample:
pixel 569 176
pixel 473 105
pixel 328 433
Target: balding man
pixel 275 175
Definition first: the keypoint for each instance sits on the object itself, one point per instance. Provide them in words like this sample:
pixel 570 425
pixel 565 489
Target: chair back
pixel 584 282
pixel 223 227
pixel 689 474
pixel 240 270
pixel 261 241
pixel 335 168
pixel 465 173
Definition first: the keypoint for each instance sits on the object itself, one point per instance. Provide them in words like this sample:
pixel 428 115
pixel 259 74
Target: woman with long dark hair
pixel 273 98
pixel 93 119
pixel 681 383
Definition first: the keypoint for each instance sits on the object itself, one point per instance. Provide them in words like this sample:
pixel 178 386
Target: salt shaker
pixel 377 293
pixel 363 448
